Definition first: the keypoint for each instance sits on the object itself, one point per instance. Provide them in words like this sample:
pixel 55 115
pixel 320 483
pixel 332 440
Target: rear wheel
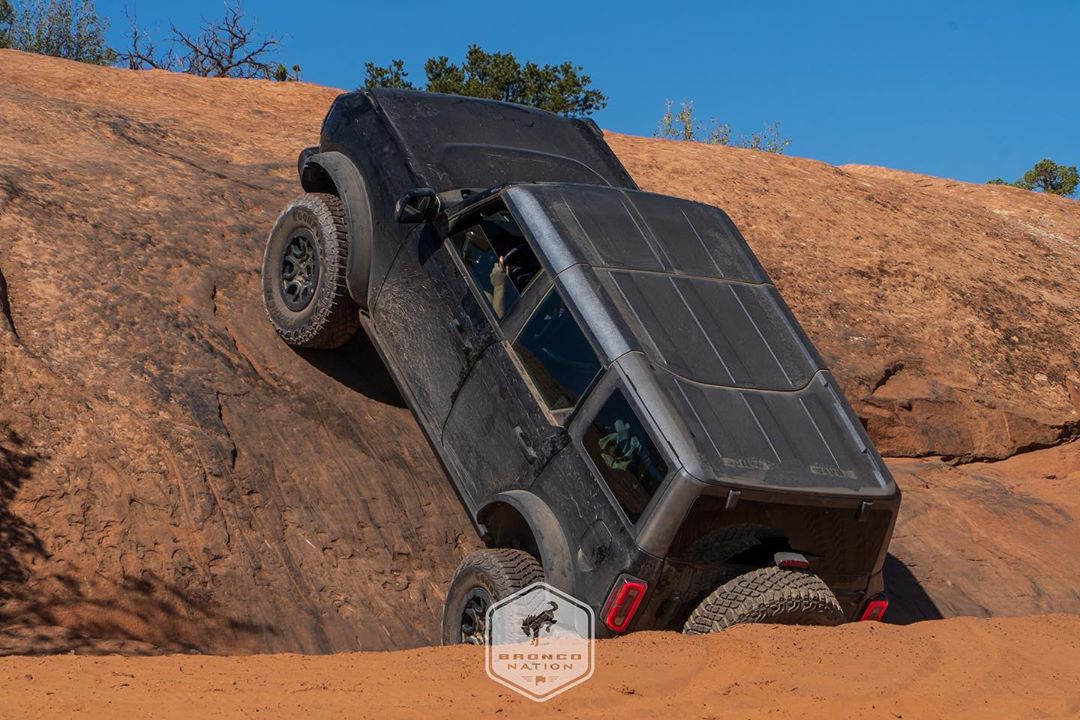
pixel 484 578
pixel 769 595
pixel 304 271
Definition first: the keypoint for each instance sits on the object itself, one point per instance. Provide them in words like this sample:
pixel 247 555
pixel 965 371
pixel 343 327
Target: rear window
pixel 625 455
pixel 556 354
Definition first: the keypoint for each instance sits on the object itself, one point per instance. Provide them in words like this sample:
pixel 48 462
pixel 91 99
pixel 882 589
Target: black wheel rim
pixel 299 269
pixel 474 617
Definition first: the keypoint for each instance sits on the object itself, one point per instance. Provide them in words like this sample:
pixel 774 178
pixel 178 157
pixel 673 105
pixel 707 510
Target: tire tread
pixel 336 316
pixel 767 595
pixel 502 571
pixel 511 569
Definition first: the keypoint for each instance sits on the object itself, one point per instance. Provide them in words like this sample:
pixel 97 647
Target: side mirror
pixel 417 206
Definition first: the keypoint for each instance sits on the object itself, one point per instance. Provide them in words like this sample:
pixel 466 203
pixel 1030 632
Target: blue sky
pixel 967 90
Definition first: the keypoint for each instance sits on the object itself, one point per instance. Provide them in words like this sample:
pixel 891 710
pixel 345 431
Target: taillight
pixel 791 560
pixel 875 609
pixel 623 602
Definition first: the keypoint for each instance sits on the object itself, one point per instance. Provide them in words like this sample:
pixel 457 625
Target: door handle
pixel 530 454
pixel 464 341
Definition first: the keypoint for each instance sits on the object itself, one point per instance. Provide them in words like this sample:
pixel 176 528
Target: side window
pixel 497 257
pixel 625 455
pixel 556 353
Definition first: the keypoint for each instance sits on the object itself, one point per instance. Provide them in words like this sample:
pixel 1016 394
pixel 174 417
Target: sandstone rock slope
pixel 173 474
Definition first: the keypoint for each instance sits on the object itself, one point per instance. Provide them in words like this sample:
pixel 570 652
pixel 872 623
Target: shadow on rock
pixel 56 614
pixel 908 601
pixel 17 538
pixel 136 616
pixel 357 366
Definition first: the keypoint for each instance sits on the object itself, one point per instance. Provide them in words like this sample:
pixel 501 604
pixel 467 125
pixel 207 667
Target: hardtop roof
pixel 454 142
pixel 743 391
pixel 676 278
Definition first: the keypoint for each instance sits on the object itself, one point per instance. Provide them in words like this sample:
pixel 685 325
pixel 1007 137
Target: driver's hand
pixel 498 287
pixel 498 273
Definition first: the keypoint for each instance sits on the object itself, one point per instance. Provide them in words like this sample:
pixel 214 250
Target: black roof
pixel 454 142
pixel 747 398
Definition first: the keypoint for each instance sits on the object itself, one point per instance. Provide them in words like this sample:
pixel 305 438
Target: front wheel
pixel 484 578
pixel 304 271
pixel 769 595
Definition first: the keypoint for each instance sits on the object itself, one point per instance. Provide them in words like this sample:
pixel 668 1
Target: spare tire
pixel 768 595
pixel 304 271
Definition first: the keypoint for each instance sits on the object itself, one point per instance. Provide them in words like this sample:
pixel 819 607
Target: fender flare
pixel 550 540
pixel 334 172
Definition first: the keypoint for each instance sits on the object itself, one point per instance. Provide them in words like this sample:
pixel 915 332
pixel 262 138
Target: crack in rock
pixel 7 322
pixel 887 375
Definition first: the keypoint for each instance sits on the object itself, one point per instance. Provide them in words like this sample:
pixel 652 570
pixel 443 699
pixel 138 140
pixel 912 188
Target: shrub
pixel 562 89
pixel 1046 176
pixel 7 16
pixel 682 124
pixel 69 29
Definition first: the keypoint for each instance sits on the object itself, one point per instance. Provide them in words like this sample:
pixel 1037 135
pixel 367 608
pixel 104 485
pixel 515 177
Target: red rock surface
pixel 959 669
pixel 173 477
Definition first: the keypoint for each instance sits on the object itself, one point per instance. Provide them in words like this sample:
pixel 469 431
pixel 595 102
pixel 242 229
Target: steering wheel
pixel 566 362
pixel 520 266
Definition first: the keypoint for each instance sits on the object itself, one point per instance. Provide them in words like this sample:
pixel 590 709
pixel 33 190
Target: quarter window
pixel 556 354
pixel 498 257
pixel 625 455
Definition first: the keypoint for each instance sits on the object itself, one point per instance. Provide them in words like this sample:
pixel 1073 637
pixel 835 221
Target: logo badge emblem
pixel 540 642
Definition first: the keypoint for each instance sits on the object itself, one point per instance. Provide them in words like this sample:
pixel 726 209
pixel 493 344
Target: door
pixel 430 325
pixel 507 421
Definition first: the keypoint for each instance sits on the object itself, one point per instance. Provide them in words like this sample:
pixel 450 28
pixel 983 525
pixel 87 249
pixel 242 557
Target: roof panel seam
pixel 759 334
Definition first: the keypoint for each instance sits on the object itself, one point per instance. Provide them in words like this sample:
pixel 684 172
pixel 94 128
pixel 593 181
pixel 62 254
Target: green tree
pixel 7 16
pixel 682 124
pixel 69 29
pixel 281 73
pixel 562 89
pixel 1048 177
pixel 391 76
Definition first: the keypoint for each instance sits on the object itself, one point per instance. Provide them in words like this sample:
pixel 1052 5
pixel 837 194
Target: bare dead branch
pixel 230 47
pixel 143 53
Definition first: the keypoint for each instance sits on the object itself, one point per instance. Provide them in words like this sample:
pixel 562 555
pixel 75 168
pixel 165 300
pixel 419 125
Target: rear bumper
pixel 678 590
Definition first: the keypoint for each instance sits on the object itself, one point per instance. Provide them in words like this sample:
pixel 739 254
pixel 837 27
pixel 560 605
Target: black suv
pixel 623 401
